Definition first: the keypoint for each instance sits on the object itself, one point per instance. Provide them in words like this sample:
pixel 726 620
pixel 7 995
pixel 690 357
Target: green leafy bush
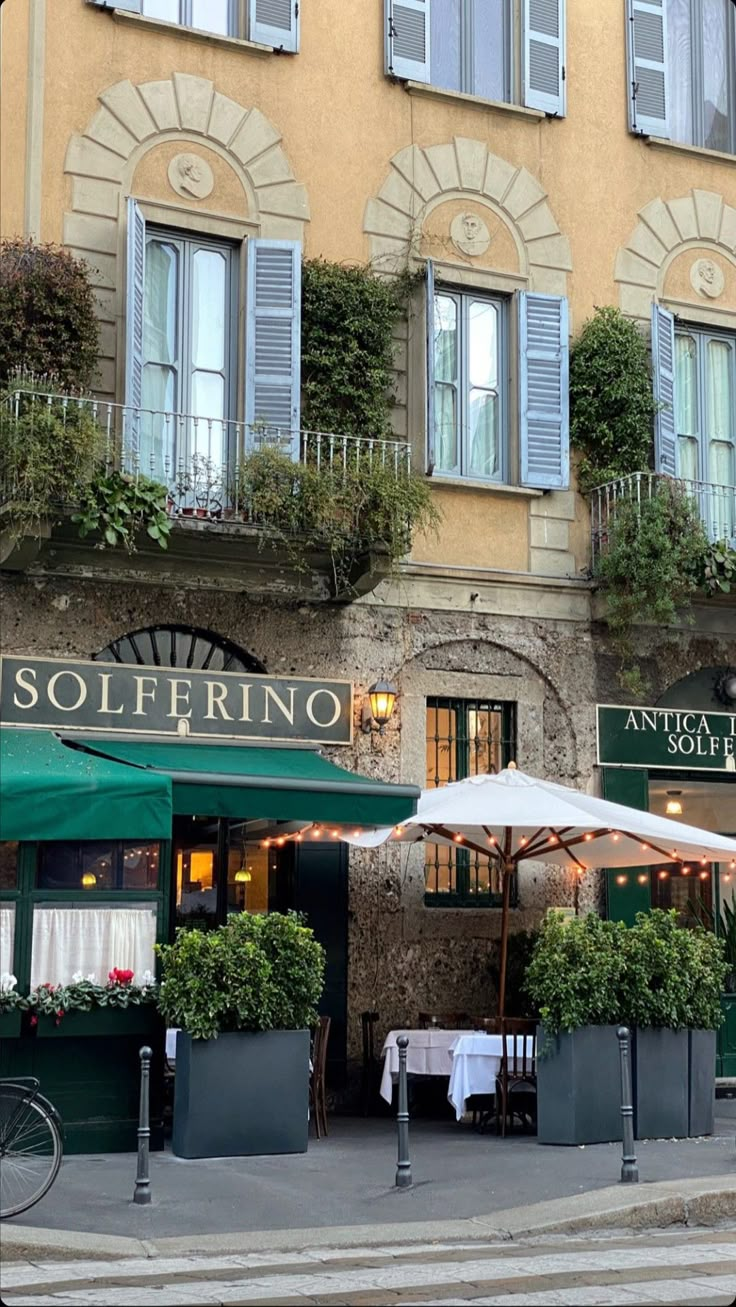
pixel 49 450
pixel 717 572
pixel 349 507
pixel 116 507
pixel 348 315
pixel 612 403
pixel 655 973
pixel 47 315
pixel 254 973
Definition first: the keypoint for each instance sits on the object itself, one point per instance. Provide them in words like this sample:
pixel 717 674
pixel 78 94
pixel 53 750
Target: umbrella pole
pixel 508 869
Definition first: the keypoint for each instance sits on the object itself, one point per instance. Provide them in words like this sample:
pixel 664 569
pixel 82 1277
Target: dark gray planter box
pixel 578 1087
pixel 661 1084
pixel 242 1094
pixel 701 1082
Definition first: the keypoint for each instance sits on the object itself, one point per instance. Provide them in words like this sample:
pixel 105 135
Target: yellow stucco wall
pixel 14 16
pixel 341 122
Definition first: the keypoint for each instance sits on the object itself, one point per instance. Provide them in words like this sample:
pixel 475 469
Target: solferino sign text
pixel 101 696
pixel 666 737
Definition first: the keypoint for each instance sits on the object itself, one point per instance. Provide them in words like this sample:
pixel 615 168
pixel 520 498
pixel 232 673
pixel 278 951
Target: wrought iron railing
pixel 200 460
pixel 716 505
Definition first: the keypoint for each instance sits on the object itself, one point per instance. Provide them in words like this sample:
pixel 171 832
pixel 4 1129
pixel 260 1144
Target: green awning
pixel 241 781
pixel 49 791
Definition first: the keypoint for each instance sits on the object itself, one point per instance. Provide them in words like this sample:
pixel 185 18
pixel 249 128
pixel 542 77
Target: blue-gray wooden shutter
pixel 431 439
pixel 663 371
pixel 544 56
pixel 275 22
pixel 130 6
pixel 135 287
pixel 544 425
pixel 647 67
pixel 407 39
pixel 273 342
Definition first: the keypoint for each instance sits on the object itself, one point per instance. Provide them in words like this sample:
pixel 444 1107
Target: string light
pixel 704 875
pixel 588 835
pixel 299 838
pixel 356 833
pixel 621 880
pixel 281 841
pixel 581 870
pixel 399 830
pixel 315 832
pixel 491 839
pixel 552 839
pixel 615 837
pixel 335 834
pixel 642 879
pixel 645 846
pixel 703 861
pixel 686 871
pixel 458 839
pixel 663 875
pixel 523 840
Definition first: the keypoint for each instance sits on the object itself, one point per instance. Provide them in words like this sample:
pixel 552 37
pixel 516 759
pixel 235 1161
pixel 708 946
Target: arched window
pixel 172 645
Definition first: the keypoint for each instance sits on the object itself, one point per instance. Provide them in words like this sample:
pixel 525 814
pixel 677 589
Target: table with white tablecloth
pixel 476 1062
pixel 428 1054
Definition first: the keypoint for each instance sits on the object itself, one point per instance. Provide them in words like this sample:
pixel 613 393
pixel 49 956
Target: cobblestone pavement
pixel 687 1267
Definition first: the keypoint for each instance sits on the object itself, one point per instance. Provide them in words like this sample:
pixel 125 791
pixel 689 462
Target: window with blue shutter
pixel 544 426
pixel 647 67
pixel 408 39
pixel 276 23
pixel 135 285
pixel 273 344
pixel 663 369
pixel 544 56
pixel 429 308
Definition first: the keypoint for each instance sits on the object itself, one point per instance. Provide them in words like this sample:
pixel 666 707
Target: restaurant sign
pixel 673 738
pixel 180 701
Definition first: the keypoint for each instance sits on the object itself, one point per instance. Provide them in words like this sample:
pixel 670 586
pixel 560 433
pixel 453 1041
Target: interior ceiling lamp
pixel 89 880
pixel 379 709
pixel 725 687
pixel 674 806
pixel 243 876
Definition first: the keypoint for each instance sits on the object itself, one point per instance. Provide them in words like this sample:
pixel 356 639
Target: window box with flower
pixel 11 1007
pixel 84 1007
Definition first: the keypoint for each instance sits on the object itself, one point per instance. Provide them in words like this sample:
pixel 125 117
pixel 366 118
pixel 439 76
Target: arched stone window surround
pixel 699 220
pixel 420 178
pixel 130 121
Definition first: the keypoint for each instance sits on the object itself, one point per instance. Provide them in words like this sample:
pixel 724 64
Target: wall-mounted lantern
pixel 380 706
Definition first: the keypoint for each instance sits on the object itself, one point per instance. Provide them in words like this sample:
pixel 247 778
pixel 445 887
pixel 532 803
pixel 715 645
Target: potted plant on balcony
pixel 243 998
pixel 574 980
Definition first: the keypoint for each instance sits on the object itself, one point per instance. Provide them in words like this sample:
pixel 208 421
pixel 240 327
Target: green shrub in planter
pixel 254 973
pixel 673 976
pixel 574 977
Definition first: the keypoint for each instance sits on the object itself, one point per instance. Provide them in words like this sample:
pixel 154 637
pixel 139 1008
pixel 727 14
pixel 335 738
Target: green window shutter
pixel 407 39
pixel 130 6
pixel 543 50
pixel 135 284
pixel 544 424
pixel 663 369
pixel 429 295
pixel 647 67
pixel 273 341
pixel 630 786
pixel 275 22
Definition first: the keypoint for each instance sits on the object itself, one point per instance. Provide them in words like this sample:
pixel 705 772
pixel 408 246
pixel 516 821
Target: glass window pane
pixel 208 310
pixel 445 419
pixel 446 44
pixel 715 74
pixel 484 733
pixel 8 864
pixel 212 16
pixel 679 58
pixel 7 938
pixel 166 9
pixel 488 49
pixel 247 876
pixel 482 345
pixel 719 396
pixel 686 386
pixel 195 867
pixel 483 458
pixel 159 315
pixel 140 866
pixel 445 338
pixel 77 937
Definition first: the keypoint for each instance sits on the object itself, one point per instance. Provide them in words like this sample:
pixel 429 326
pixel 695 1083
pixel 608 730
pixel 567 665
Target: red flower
pixel 34 1020
pixel 119 976
pixel 59 1015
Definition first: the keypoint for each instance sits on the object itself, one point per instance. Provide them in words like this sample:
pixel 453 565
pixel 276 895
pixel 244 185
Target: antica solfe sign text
pixel 106 697
pixel 666 737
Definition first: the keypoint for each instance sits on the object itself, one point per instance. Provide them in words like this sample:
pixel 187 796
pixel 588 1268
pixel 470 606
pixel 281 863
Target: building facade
pixel 534 160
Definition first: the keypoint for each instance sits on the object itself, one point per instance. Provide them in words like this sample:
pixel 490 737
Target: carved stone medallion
pixel 191 176
pixel 707 279
pixel 469 234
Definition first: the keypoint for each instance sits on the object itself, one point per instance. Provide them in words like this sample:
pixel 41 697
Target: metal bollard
pixel 142 1191
pixel 629 1169
pixel 403 1168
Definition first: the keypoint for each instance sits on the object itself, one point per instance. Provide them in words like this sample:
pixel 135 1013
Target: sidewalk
pixel 347 1180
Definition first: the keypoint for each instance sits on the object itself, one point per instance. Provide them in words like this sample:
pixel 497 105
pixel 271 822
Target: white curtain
pixel 7 936
pixel 91 939
pixel 720 403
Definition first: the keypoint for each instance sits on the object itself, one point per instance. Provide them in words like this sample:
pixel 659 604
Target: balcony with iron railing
pixel 716 506
pixel 224 500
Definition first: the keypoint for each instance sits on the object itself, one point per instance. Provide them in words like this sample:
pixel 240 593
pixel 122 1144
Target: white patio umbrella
pixel 513 818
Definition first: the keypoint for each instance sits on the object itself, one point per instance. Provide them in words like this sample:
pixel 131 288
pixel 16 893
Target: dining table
pixel 428 1054
pixel 476 1062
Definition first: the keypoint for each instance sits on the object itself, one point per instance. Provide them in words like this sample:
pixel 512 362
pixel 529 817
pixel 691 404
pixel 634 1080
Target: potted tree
pixel 243 998
pixel 574 981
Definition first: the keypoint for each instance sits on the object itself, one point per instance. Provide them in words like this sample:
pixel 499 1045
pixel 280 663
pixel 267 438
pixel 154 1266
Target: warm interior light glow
pixel 89 880
pixel 674 806
pixel 243 876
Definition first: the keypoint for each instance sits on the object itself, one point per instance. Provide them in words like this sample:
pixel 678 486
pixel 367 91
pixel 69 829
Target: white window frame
pixel 703 335
pixel 185 18
pixel 463 299
pixel 699 54
pixel 511 26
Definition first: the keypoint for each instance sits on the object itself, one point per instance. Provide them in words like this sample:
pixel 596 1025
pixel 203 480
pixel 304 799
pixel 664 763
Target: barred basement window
pixel 465 737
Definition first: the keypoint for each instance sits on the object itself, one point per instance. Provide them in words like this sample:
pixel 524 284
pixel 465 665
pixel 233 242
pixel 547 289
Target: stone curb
pixel 660 1204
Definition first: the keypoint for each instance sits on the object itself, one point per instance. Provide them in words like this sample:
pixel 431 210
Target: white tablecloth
pixel 428 1054
pixel 476 1061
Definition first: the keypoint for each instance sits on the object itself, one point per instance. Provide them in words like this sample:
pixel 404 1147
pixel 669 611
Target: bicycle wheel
pixel 30 1149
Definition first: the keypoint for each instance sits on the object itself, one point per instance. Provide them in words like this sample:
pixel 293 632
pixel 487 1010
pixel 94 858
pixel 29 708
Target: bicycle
pixel 31 1145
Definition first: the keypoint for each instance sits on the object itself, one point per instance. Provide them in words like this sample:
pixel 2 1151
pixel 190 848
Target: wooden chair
pixel 484 1105
pixel 516 1085
pixel 444 1020
pixel 371 1065
pixel 317 1097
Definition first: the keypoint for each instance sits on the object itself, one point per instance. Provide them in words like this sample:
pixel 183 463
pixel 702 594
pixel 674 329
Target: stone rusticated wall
pixel 403 957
